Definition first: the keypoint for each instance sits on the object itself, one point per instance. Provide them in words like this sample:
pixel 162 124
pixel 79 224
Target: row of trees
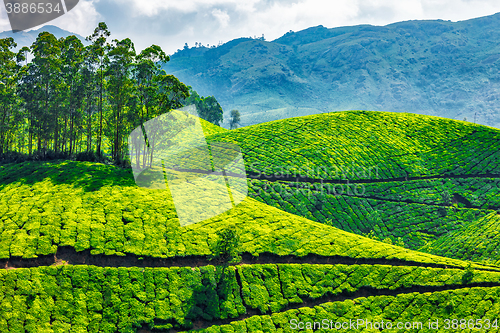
pixel 72 98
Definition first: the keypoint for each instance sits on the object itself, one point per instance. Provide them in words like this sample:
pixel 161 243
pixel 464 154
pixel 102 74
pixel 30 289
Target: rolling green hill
pixel 49 205
pixel 397 175
pixel 434 67
pixel 368 145
pixel 110 299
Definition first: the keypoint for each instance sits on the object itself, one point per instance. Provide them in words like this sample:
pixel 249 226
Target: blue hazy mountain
pixel 26 38
pixel 434 67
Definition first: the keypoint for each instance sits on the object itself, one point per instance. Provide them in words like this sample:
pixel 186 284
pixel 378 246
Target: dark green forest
pixel 61 99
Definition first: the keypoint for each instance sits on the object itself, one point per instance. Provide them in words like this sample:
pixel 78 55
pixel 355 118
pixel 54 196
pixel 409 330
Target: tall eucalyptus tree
pixel 100 48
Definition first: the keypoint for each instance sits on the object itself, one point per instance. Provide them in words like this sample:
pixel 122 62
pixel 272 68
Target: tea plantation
pixel 424 190
pixel 390 175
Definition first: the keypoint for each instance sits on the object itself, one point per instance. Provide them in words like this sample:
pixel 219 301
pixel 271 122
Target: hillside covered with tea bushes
pixel 463 309
pixel 329 146
pixel 476 241
pixel 392 175
pixel 44 209
pixel 84 249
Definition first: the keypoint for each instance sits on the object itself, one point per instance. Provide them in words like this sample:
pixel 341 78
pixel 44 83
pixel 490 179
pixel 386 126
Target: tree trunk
pixel 65 137
pixel 89 127
pixel 71 137
pixel 56 131
pixel 99 136
pixel 117 131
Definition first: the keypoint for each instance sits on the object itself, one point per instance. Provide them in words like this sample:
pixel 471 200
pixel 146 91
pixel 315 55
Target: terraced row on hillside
pixel 384 208
pixel 468 309
pixel 94 299
pixel 478 241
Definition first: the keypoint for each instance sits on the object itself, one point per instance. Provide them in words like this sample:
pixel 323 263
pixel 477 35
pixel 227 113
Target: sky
pixel 170 24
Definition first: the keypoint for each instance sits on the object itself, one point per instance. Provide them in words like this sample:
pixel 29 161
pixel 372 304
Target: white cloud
pixel 222 17
pixel 153 7
pixel 82 19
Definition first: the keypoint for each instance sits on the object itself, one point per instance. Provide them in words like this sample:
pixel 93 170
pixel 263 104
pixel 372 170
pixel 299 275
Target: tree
pixel 152 93
pixel 193 97
pixel 208 107
pixel 72 62
pixel 235 119
pixel 121 88
pixel 8 84
pixel 99 51
pixel 147 72
pixel 46 67
pixel 89 81
pixel 468 274
pixel 226 248
pixel 210 110
pixel 172 92
pixel 446 197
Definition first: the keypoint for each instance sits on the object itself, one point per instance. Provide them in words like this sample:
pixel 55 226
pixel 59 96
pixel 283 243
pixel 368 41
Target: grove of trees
pixel 76 100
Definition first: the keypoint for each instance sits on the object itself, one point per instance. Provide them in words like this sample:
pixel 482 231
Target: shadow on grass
pixel 89 176
pixel 216 298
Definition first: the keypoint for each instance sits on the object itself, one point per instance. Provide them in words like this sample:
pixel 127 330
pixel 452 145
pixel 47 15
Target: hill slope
pixel 475 241
pixel 46 206
pixel 394 175
pixel 441 68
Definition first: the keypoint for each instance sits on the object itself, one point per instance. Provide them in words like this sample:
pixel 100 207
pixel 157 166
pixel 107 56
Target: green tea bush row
pixel 37 219
pixel 39 213
pixel 454 159
pixel 96 299
pixel 479 192
pixel 269 288
pixel 461 309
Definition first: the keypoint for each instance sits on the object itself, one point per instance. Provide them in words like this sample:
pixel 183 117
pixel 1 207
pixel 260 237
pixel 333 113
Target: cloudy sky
pixel 171 23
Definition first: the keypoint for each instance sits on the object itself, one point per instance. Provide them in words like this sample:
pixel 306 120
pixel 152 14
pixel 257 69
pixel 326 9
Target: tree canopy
pixel 83 101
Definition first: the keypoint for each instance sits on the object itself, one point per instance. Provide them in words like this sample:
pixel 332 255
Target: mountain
pixel 26 38
pixel 433 67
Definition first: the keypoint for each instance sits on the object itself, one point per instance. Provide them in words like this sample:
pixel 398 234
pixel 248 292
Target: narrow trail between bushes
pixel 298 179
pixel 69 256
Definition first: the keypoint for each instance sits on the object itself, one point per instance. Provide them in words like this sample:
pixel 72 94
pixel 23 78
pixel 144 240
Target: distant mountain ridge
pixel 26 38
pixel 434 67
